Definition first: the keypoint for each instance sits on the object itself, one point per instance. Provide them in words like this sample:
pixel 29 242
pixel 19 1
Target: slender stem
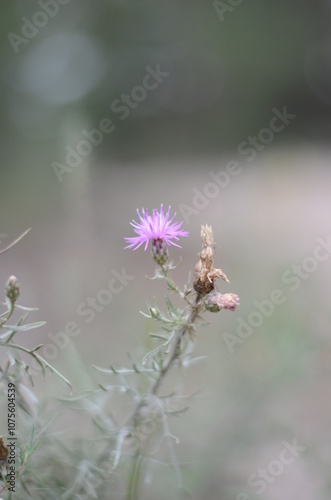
pixel 175 351
pixel 135 473
pixel 15 241
pixel 9 313
pixel 134 477
pixel 174 286
pixel 174 355
pixel 132 422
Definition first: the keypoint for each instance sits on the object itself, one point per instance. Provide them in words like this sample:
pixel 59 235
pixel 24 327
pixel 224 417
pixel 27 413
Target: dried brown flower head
pixel 205 273
pixel 3 449
pixel 3 457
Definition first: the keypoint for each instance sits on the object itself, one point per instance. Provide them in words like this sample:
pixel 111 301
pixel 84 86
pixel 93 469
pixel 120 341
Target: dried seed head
pixel 3 458
pixel 207 236
pixel 3 449
pixel 12 289
pixel 204 272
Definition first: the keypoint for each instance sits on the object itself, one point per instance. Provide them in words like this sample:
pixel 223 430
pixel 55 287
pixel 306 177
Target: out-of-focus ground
pixel 275 385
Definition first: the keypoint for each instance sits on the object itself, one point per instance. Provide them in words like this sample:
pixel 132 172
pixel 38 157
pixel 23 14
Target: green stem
pixel 134 479
pixel 10 313
pixel 175 352
pixel 136 468
pixel 15 241
pixel 174 286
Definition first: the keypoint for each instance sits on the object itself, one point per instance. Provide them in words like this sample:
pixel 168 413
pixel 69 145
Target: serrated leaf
pixel 54 370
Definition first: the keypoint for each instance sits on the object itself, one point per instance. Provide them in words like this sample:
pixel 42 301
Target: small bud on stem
pixel 160 251
pixel 12 289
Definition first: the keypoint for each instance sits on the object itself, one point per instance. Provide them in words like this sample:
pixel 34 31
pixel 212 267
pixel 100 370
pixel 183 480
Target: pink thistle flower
pixel 156 227
pixel 228 301
pixel 217 301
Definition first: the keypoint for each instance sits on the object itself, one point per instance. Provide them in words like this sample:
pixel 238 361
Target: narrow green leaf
pixel 24 328
pixel 46 425
pixel 146 315
pixel 170 283
pixel 51 367
pixel 171 307
pixel 23 308
pixel 158 336
pixel 120 440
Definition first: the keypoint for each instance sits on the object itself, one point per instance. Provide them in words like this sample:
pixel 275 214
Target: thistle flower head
pixel 216 301
pixel 157 227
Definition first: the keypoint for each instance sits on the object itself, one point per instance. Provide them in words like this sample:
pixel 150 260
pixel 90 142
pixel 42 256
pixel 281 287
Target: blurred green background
pixel 65 69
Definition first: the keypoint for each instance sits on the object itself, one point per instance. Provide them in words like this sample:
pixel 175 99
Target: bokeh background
pixel 227 69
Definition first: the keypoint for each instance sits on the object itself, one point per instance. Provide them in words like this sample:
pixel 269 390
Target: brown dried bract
pixel 204 272
pixel 3 449
pixel 3 458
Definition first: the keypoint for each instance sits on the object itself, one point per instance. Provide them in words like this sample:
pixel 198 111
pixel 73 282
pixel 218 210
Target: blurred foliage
pixel 225 76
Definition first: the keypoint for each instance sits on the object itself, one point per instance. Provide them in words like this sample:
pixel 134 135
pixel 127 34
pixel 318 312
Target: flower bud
pixel 12 289
pixel 217 301
pixel 160 251
pixel 229 301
